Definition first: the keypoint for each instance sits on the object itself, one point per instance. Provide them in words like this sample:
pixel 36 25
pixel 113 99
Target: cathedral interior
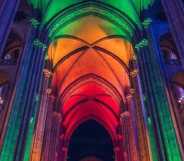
pixel 91 80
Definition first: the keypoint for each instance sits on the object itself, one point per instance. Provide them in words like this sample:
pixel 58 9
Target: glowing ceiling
pixel 125 14
pixel 90 51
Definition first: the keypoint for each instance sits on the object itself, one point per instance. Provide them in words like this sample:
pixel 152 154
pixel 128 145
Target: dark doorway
pixel 90 139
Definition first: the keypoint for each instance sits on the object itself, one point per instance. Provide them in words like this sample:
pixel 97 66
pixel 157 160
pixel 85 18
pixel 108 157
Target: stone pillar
pixel 129 144
pixel 8 10
pixel 117 151
pixel 63 147
pixel 65 153
pixel 125 116
pixel 20 127
pixel 132 126
pixel 41 120
pixel 141 131
pixel 47 130
pixel 54 138
pixel 174 10
pixel 159 119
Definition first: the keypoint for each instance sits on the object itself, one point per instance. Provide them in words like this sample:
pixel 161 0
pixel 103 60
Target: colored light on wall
pixel 128 8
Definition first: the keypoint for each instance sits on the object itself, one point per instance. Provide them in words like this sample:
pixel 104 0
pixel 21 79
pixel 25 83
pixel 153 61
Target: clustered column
pixel 52 136
pixel 129 143
pixel 20 128
pixel 138 109
pixel 41 120
pixel 159 119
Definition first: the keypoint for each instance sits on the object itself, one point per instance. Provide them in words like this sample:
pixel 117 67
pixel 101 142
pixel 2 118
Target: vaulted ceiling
pixel 120 17
pixel 90 51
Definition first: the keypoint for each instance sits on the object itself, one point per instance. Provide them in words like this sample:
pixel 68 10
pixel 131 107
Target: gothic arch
pixel 88 79
pixel 73 127
pixel 99 9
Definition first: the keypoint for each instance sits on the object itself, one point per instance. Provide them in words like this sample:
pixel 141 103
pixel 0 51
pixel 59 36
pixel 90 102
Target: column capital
pixel 49 91
pixel 134 57
pixel 52 98
pixel 38 43
pixel 125 114
pixel 129 97
pixel 134 73
pixel 147 22
pixel 141 44
pixel 132 91
pixel 57 115
pixel 34 22
pixel 47 73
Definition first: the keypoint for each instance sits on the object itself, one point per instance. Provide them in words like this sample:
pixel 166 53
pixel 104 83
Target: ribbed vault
pixel 123 14
pixel 90 59
pixel 90 53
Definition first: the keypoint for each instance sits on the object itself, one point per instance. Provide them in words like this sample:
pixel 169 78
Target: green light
pixel 29 138
pixel 39 44
pixel 130 9
pixel 35 23
pixel 146 23
pixel 141 44
pixel 152 140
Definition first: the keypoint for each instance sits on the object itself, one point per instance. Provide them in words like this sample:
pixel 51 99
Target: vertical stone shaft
pixel 62 150
pixel 47 133
pixel 132 130
pixel 41 120
pixel 25 103
pixel 157 104
pixel 125 128
pixel 128 142
pixel 142 134
pixel 55 136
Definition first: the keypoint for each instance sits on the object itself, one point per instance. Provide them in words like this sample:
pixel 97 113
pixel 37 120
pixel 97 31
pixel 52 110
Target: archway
pixel 90 141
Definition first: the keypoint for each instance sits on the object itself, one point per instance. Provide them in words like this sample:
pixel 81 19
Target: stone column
pixel 129 144
pixel 41 120
pixel 8 10
pixel 132 126
pixel 159 119
pixel 141 131
pixel 174 10
pixel 63 146
pixel 47 130
pixel 118 154
pixel 125 116
pixel 53 140
pixel 20 127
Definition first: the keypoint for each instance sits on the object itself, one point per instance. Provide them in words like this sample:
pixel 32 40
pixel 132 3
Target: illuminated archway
pixel 90 52
pixel 91 77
